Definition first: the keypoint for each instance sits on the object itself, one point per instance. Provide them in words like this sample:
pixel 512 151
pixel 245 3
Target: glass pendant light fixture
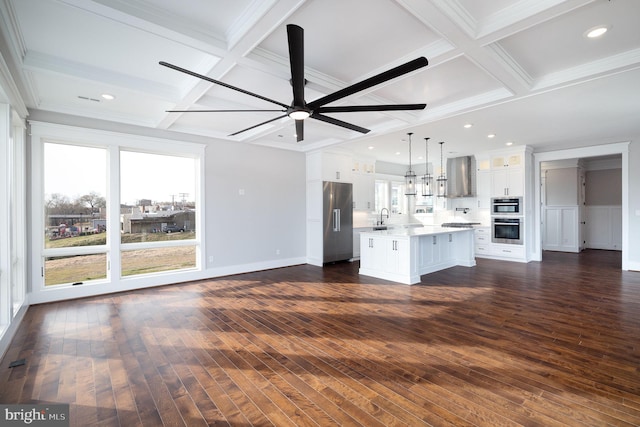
pixel 410 176
pixel 442 178
pixel 427 179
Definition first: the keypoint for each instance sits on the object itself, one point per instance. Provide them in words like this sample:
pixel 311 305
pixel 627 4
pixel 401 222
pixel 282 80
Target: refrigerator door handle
pixel 339 220
pixel 336 220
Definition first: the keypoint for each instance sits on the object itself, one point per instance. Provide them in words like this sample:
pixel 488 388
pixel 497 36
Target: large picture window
pixel 157 194
pixel 75 212
pixel 114 207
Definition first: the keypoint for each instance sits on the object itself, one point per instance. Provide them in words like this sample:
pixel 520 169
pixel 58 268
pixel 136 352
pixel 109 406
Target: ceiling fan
pixel 299 109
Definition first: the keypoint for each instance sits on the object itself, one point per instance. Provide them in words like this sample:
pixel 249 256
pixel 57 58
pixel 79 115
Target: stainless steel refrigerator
pixel 338 221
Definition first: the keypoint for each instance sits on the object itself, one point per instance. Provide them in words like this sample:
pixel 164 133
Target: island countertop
pixel 426 230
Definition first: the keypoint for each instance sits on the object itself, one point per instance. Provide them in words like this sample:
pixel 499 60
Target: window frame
pixel 114 143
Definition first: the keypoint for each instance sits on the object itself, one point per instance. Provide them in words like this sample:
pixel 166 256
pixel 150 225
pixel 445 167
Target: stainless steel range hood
pixel 461 177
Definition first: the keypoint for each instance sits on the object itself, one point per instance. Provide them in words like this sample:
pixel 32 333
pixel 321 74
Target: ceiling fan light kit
pixel 299 109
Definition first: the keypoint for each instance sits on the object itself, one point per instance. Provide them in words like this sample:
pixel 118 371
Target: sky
pixel 75 171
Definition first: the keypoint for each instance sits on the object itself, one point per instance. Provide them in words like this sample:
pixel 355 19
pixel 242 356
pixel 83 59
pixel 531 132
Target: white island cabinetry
pixel 403 255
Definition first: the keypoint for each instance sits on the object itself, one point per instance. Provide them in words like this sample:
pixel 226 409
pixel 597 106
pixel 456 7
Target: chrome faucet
pixel 381 220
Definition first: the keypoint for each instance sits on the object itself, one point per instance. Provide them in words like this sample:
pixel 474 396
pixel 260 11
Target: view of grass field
pixel 101 239
pixel 82 268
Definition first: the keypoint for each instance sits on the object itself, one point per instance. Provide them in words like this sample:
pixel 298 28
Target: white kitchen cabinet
pixel 507 175
pixel 507 182
pixel 364 166
pixel 373 252
pixel 508 251
pixel 364 191
pixel 356 239
pixel 383 253
pixel 405 255
pixel 397 255
pixel 336 167
pixel 484 248
pixel 483 189
pixel 483 162
pixel 429 253
pixel 445 246
pixel 482 241
pixel 512 160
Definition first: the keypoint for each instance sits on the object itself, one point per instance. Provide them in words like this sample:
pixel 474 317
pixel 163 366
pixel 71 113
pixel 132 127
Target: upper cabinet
pixel 513 160
pixel 329 166
pixel 364 182
pixel 483 163
pixel 507 174
pixel 507 182
pixel 336 167
pixel 342 167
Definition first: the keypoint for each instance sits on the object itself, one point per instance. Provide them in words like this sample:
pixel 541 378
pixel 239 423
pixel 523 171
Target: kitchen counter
pixel 404 254
pixel 425 230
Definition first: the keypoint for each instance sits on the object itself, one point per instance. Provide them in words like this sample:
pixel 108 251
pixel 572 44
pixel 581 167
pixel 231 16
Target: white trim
pixel 5 216
pixel 621 148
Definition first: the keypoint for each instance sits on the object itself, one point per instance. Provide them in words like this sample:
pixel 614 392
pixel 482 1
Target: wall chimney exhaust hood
pixel 461 174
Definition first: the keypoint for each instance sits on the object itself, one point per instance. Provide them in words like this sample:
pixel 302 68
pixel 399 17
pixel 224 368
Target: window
pixel 157 205
pixel 75 213
pixel 12 216
pixel 113 207
pixel 390 195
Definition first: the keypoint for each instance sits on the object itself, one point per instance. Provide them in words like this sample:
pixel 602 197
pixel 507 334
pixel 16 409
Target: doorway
pixel 618 149
pixel 581 204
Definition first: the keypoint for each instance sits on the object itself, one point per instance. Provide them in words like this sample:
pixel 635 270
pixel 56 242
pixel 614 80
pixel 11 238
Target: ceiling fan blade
pixel 357 108
pixel 299 130
pixel 259 124
pixel 340 123
pixel 221 111
pixel 371 81
pixel 295 35
pixel 209 79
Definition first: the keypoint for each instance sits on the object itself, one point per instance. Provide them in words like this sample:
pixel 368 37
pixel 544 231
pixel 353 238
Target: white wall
pixel 266 224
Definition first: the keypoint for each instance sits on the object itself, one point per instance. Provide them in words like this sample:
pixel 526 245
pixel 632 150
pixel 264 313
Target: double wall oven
pixel 507 220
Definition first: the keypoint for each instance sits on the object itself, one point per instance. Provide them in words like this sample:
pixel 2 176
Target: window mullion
pixel 113 219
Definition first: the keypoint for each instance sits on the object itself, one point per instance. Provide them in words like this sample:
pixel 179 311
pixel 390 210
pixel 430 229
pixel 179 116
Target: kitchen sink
pixel 379 227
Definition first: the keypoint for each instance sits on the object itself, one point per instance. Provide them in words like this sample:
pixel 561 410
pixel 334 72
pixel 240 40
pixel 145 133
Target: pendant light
pixel 410 176
pixel 427 179
pixel 442 178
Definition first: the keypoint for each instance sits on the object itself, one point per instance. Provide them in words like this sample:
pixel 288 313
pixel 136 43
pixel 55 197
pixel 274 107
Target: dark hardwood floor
pixel 555 343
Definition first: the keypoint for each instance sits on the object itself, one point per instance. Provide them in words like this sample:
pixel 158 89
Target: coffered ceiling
pixel 522 70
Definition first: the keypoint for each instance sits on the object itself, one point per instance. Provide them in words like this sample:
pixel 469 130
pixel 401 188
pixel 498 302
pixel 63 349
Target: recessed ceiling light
pixel 468 125
pixel 596 32
pixel 108 96
pixel 397 153
pixel 491 135
pixel 371 147
pixel 509 143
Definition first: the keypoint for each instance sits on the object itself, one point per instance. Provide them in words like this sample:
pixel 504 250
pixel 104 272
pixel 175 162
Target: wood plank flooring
pixel 555 343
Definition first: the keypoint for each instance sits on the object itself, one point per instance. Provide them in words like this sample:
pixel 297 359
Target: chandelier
pixel 427 179
pixel 410 176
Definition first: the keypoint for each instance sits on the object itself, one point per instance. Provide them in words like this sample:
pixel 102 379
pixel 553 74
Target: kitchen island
pixel 404 254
